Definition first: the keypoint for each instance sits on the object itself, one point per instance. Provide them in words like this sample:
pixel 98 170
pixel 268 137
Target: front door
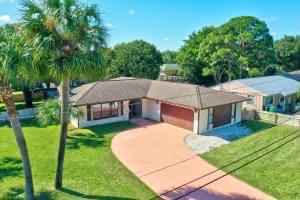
pixel 135 108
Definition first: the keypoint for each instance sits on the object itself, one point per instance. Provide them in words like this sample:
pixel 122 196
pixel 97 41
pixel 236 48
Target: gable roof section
pixel 112 90
pixel 271 85
pixel 130 88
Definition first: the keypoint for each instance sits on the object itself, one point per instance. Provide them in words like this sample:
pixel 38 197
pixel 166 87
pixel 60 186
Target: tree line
pixel 240 48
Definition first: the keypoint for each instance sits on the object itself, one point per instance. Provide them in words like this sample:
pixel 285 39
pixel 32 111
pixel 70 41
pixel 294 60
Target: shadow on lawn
pixel 258 125
pixel 95 136
pixel 78 140
pixel 89 196
pixel 190 192
pixel 10 166
pixel 19 193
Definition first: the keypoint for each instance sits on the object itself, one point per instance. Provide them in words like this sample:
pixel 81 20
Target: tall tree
pixel 169 57
pixel 134 59
pixel 219 54
pixel 15 61
pixel 191 65
pixel 71 37
pixel 287 52
pixel 254 44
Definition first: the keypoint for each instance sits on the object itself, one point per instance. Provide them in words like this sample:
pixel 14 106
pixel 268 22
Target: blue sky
pixel 166 23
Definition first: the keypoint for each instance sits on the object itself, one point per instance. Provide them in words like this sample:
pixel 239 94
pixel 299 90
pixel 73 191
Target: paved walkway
pixel 157 154
pixel 216 138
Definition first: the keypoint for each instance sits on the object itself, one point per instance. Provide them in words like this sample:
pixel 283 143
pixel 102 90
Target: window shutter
pixel 89 113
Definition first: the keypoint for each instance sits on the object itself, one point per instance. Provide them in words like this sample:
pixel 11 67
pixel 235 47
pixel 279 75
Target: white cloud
pixel 131 12
pixel 5 18
pixel 108 25
pixel 272 19
pixel 166 39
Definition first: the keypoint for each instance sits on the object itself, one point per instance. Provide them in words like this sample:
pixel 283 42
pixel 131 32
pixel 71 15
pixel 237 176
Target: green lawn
pixel 91 169
pixel 277 172
pixel 20 105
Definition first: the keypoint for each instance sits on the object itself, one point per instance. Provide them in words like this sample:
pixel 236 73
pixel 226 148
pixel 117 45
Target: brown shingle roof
pixel 130 88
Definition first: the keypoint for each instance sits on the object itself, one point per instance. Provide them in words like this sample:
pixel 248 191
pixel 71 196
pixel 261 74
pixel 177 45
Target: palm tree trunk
pixel 63 131
pixel 15 123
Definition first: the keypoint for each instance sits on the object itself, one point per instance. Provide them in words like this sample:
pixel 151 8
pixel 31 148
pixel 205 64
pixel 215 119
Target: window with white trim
pixel 251 99
pixel 105 110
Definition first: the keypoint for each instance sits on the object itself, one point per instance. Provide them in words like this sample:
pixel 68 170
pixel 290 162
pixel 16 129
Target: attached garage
pixel 222 115
pixel 178 116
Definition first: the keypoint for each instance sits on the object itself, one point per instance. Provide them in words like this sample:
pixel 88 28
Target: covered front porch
pixel 281 103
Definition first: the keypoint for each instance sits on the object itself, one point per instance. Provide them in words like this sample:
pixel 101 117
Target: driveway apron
pixel 157 154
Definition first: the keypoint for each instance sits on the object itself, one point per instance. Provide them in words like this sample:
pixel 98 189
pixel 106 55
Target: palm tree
pixel 14 63
pixel 71 36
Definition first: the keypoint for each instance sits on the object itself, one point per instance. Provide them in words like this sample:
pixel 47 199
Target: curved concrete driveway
pixel 157 154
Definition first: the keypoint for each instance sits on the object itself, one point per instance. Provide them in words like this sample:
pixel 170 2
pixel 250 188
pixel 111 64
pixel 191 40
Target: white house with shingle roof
pixel 187 106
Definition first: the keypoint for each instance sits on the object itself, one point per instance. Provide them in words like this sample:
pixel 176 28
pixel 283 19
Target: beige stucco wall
pixel 151 109
pixel 203 119
pixel 238 114
pixel 196 121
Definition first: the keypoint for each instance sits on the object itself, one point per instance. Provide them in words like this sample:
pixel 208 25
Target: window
pixel 122 112
pixel 105 110
pixel 270 100
pixel 233 111
pixel 89 113
pixel 210 118
pixel 251 99
pixel 114 109
pixel 96 112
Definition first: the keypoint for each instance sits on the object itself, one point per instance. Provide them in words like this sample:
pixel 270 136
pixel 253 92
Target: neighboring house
pixel 169 72
pixel 295 75
pixel 188 106
pixel 265 92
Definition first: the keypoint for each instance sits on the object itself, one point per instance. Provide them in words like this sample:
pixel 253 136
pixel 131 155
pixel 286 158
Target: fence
pixel 21 114
pixel 279 118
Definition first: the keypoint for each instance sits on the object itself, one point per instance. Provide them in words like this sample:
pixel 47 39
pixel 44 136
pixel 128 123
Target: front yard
pixel 276 172
pixel 91 169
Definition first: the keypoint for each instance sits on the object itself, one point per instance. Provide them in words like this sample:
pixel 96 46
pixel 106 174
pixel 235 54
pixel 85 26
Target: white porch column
pixel 126 109
pixel 196 121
